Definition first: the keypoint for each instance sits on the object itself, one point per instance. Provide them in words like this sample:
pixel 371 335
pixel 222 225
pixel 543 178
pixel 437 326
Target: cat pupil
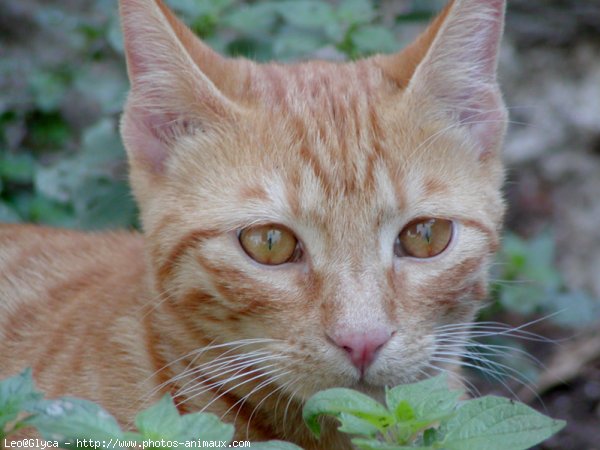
pixel 271 235
pixel 425 231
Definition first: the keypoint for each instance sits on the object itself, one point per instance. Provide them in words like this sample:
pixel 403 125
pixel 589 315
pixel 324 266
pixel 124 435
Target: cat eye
pixel 270 244
pixel 424 238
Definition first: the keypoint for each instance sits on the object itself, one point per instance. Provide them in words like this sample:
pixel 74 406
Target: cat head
pixel 342 211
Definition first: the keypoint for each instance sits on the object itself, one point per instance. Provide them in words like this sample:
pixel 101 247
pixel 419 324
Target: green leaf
pixel 101 144
pixel 104 204
pixel 60 181
pixel 205 426
pixel 430 436
pixel 110 88
pixel 255 48
pixel 404 412
pixel 336 401
pixel 420 11
pixel 430 399
pixel 428 7
pixel 48 130
pixel 91 181
pixel 17 167
pixel 192 9
pixel 48 89
pixel 523 299
pixel 354 12
pixel 67 419
pixel 530 264
pixel 44 210
pixel 497 423
pixel 355 425
pixel 577 309
pixel 8 214
pixel 374 39
pixel 15 394
pixel 160 421
pixel 306 13
pixel 296 44
pixel 256 18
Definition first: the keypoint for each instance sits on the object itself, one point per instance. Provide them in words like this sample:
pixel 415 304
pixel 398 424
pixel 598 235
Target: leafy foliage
pixel 526 284
pixel 424 415
pixel 531 284
pixel 427 415
pixel 68 419
pixel 15 394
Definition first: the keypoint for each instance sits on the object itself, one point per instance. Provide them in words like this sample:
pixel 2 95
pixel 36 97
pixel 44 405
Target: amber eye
pixel 270 244
pixel 424 238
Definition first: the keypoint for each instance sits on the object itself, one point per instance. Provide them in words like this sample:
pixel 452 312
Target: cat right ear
pixel 452 66
pixel 172 90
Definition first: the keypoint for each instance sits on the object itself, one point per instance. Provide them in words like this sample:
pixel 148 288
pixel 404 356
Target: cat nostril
pixel 362 346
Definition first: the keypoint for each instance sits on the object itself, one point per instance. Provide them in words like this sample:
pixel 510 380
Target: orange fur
pixel 344 155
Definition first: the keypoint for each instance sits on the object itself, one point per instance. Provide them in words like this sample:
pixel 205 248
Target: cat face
pixel 339 213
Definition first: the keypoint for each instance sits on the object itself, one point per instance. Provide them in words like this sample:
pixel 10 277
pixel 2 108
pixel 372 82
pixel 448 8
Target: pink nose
pixel 362 346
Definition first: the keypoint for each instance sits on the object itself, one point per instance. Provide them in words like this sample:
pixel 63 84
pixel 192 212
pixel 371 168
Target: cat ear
pixel 457 68
pixel 172 88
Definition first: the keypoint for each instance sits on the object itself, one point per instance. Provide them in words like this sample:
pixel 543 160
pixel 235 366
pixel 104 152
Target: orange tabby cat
pixel 305 226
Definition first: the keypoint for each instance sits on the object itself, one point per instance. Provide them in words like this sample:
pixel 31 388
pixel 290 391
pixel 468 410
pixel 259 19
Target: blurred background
pixel 62 86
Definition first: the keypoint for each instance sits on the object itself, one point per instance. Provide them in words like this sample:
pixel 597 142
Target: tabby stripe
pixel 312 160
pixel 449 288
pixel 24 315
pixel 192 239
pixel 251 297
pixel 64 296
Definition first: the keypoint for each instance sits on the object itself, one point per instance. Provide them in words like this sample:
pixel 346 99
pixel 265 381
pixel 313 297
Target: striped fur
pixel 344 155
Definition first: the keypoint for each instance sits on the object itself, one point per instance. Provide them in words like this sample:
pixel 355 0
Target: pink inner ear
pixel 485 118
pixel 487 130
pixel 141 137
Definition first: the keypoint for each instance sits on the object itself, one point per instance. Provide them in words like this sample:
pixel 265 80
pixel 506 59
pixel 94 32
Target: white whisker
pixel 197 353
pixel 261 374
pixel 238 372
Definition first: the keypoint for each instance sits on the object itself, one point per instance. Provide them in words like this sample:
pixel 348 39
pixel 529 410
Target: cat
pixel 305 226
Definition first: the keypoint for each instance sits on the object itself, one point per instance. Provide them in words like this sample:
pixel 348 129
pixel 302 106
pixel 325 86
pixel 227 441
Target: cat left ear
pixel 174 83
pixel 458 71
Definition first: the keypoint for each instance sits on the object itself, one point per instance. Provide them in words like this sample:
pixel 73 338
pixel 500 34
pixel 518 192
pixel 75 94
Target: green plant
pixel 424 415
pixel 529 283
pixel 427 415
pixel 75 423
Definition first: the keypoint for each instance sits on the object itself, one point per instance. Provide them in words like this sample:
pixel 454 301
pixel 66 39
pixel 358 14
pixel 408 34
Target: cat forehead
pixel 316 84
pixel 321 137
pixel 365 182
pixel 328 119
